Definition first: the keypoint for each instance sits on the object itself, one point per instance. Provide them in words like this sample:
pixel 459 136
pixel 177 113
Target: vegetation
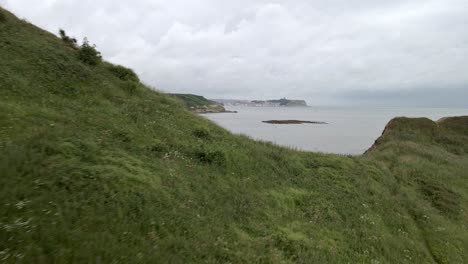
pixel 123 73
pixel 72 42
pixel 287 102
pixel 197 103
pixel 91 173
pixel 89 54
pixel 2 16
pixel 282 102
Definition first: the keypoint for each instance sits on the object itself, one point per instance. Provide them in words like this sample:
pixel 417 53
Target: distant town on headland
pixel 283 102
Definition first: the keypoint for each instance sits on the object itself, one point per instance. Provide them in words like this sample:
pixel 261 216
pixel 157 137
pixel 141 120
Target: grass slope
pixel 94 172
pixel 200 103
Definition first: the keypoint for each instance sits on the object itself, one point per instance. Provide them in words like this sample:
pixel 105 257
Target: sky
pixel 328 52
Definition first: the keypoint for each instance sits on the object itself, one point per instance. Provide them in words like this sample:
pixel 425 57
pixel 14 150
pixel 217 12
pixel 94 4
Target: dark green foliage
pixel 200 103
pixel 211 156
pixel 3 16
pixel 71 42
pixel 192 100
pixel 89 54
pixel 123 73
pixel 92 174
pixel 444 199
pixel 202 133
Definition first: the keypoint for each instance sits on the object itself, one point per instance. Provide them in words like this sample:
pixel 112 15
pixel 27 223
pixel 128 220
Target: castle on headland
pixel 283 102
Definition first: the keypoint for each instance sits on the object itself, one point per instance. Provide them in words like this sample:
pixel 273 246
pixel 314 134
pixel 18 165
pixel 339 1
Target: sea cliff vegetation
pixel 96 168
pixel 199 104
pixel 280 102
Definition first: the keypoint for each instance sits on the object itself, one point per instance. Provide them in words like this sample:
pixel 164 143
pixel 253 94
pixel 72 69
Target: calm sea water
pixel 349 130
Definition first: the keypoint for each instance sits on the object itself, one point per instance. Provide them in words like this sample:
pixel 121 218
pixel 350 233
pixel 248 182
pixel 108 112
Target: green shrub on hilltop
pixel 71 42
pixel 89 54
pixel 123 73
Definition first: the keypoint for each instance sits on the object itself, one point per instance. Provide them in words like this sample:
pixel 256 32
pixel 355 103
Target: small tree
pixel 89 54
pixel 68 40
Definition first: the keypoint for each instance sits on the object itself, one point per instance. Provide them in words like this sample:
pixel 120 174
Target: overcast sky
pixel 325 51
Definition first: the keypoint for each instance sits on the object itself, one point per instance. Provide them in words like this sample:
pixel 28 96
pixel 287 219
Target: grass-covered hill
pixel 200 104
pixel 99 169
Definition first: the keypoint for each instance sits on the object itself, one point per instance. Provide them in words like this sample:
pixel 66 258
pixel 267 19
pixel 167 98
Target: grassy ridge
pixel 95 172
pixel 199 103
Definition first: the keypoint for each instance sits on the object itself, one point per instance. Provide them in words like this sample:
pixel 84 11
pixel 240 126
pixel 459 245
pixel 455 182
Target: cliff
pixel 96 168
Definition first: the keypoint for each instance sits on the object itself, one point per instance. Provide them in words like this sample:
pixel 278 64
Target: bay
pixel 350 130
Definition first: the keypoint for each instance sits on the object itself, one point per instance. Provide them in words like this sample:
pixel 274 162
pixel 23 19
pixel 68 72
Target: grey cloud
pixel 426 97
pixel 322 51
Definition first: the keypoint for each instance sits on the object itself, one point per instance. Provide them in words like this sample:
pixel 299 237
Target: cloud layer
pixel 327 51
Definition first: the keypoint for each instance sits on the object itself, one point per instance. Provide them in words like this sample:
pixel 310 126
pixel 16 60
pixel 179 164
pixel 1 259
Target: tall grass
pixel 93 173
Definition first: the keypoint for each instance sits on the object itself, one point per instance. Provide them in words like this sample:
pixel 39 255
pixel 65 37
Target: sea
pixel 349 130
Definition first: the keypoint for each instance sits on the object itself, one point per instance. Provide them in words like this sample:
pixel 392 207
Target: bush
pixel 123 73
pixel 201 133
pixel 71 42
pixel 211 157
pixel 89 54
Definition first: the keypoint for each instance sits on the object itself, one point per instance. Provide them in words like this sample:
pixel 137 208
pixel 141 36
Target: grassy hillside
pixel 96 169
pixel 197 103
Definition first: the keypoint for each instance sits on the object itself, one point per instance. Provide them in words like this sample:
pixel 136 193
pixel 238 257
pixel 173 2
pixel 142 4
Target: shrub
pixel 201 133
pixel 123 73
pixel 71 42
pixel 89 54
pixel 211 156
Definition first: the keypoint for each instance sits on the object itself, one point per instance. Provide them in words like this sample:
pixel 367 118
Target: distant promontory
pixel 200 105
pixel 263 103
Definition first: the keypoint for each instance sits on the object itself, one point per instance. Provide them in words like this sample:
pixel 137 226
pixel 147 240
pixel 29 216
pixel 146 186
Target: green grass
pixel 194 102
pixel 96 169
